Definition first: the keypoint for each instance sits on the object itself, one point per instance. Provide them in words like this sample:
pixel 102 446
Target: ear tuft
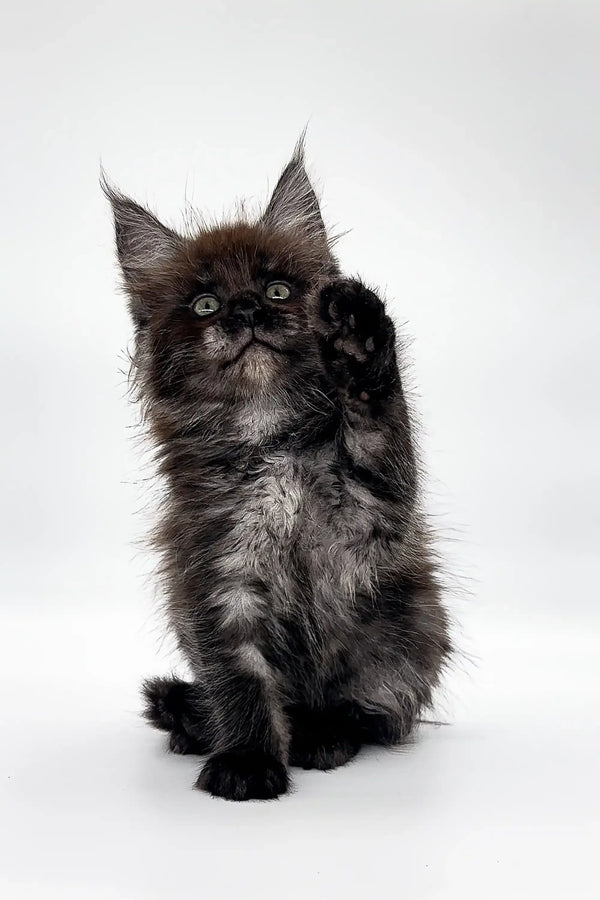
pixel 294 204
pixel 144 245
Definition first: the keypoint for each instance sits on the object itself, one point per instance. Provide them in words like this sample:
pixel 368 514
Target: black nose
pixel 245 308
pixel 244 315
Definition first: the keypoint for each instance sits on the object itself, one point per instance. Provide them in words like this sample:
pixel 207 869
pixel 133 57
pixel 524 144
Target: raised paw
pixel 244 775
pixel 322 739
pixel 358 324
pixel 358 345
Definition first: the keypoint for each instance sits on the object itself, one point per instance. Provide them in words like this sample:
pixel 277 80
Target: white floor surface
pixel 502 803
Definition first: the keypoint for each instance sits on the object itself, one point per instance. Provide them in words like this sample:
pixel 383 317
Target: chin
pixel 257 367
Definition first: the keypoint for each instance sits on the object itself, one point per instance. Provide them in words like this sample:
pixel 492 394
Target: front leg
pixel 323 738
pixel 358 346
pixel 328 737
pixel 250 730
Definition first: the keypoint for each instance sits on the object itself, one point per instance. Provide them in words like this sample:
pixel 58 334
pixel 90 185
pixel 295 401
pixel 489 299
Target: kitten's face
pixel 230 309
pixel 242 306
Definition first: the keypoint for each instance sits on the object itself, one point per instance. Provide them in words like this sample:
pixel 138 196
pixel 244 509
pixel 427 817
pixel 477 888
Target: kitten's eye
pixel 278 290
pixel 205 305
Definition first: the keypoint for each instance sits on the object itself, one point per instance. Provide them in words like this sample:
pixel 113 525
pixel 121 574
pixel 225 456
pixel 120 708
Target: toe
pixel 244 775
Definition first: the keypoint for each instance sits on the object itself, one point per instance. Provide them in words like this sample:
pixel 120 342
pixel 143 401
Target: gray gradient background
pixel 459 141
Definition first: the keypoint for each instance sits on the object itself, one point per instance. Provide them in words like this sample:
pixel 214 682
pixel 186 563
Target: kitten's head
pixel 230 309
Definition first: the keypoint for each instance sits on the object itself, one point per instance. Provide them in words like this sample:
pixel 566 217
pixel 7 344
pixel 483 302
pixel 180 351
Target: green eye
pixel 278 290
pixel 205 305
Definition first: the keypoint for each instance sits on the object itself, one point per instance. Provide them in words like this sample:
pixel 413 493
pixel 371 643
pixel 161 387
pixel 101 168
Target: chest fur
pixel 295 522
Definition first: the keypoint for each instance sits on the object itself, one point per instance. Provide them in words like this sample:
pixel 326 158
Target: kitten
pixel 297 564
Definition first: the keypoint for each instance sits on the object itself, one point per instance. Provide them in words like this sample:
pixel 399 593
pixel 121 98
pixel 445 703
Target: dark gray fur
pixel 296 560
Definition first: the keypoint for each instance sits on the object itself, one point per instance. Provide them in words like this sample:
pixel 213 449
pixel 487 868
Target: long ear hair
pixel 293 203
pixel 145 247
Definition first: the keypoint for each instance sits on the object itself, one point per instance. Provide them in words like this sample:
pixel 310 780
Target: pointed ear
pixel 145 247
pixel 294 203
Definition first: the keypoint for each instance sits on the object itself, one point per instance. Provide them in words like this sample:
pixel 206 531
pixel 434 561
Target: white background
pixel 460 143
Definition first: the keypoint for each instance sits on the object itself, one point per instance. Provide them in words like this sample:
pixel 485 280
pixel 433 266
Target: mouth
pixel 253 340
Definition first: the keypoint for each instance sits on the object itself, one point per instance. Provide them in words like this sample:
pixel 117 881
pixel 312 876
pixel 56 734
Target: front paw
pixel 358 326
pixel 358 346
pixel 323 752
pixel 244 775
pixel 322 739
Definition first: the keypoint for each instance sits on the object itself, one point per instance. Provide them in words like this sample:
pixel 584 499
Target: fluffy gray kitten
pixel 296 560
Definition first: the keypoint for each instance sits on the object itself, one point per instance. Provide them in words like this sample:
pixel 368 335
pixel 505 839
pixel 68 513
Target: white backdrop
pixel 459 142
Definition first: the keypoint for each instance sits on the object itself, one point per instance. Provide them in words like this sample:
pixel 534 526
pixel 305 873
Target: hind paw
pixel 166 702
pixel 173 705
pixel 183 744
